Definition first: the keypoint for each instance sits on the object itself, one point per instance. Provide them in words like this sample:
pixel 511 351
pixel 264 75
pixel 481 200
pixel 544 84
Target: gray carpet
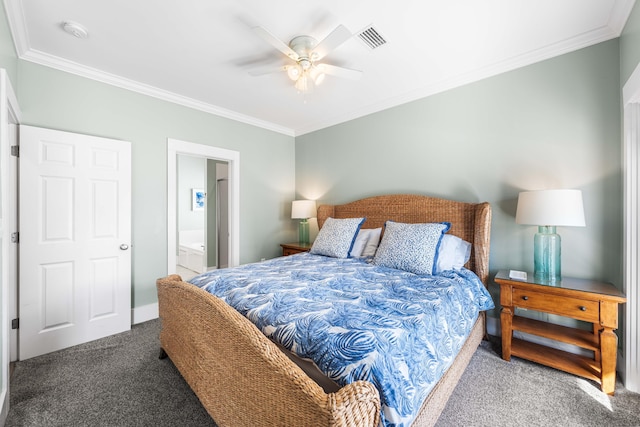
pixel 115 381
pixel 119 381
pixel 493 392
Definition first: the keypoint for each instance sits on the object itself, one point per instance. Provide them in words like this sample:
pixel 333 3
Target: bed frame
pixel 243 379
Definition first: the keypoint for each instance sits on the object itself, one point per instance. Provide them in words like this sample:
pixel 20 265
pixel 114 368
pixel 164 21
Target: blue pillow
pixel 410 247
pixel 336 237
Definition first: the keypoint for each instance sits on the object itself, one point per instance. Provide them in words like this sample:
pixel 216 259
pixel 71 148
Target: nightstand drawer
pixel 289 251
pixel 295 248
pixel 575 308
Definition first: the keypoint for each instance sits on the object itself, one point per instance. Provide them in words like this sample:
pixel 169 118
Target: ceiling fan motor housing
pixel 303 45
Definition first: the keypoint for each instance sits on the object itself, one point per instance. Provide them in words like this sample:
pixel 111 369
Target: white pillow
pixel 358 245
pixel 410 247
pixel 336 237
pixel 453 253
pixel 372 242
pixel 366 242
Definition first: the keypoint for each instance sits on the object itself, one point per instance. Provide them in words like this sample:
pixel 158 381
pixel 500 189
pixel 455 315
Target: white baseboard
pixel 144 313
pixel 5 406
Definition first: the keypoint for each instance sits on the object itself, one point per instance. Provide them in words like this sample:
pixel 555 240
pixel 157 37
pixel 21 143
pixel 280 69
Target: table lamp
pixel 548 209
pixel 303 210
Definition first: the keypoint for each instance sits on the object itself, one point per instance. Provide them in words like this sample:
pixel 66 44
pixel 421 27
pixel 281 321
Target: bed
pixel 243 378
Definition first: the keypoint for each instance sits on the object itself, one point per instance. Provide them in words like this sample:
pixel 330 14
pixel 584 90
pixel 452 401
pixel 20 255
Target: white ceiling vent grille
pixel 371 37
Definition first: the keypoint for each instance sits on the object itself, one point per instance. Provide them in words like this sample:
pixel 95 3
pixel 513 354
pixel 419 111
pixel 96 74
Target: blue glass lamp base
pixel 303 231
pixel 546 254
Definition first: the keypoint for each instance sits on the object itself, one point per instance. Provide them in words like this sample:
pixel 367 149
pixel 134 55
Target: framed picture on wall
pixel 198 197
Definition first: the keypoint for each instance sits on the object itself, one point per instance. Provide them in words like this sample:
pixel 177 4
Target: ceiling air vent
pixel 371 37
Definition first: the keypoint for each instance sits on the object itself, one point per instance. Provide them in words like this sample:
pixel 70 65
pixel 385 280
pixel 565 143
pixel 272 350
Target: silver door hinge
pixel 15 323
pixel 15 237
pixel 15 150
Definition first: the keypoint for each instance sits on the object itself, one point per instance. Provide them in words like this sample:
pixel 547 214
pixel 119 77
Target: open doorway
pixel 203 215
pixel 202 208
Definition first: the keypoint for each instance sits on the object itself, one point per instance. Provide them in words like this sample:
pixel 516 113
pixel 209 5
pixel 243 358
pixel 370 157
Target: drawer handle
pixel 525 297
pixel 583 308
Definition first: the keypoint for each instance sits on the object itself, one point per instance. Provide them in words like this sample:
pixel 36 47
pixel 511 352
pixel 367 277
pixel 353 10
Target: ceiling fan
pixel 305 52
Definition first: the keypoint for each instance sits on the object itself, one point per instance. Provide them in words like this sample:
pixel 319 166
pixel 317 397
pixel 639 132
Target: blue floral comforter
pixel 358 321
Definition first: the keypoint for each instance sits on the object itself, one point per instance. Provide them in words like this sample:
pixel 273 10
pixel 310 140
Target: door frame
pixel 10 114
pixel 176 147
pixel 630 363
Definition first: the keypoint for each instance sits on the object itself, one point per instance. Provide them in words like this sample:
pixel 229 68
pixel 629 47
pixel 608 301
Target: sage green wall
pixel 58 100
pixel 630 45
pixel 554 124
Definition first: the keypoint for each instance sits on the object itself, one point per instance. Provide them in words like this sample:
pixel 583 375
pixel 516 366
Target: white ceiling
pixel 198 52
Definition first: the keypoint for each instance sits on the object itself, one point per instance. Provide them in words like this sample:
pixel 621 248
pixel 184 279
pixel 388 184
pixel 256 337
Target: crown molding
pixel 17 25
pixel 51 61
pixel 619 15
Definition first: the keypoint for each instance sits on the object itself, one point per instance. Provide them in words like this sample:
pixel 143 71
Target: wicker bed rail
pixel 240 376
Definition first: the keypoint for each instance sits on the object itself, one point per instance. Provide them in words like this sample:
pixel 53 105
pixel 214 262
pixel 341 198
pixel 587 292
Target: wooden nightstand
pixel 587 300
pixel 295 248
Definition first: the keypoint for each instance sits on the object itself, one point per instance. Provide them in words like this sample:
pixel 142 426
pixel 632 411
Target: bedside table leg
pixel 596 332
pixel 608 354
pixel 506 317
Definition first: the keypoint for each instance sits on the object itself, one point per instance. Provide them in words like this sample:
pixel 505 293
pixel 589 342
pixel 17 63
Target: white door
pixel 75 234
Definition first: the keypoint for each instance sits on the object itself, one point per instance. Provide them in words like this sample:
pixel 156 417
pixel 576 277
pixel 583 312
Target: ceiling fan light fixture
pixel 303 84
pixel 294 72
pixel 305 64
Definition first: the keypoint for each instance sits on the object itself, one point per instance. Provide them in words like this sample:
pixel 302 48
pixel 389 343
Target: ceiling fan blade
pixel 338 36
pixel 345 73
pixel 267 69
pixel 275 42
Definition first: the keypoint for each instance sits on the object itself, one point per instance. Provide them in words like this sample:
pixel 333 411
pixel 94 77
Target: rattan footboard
pixel 240 376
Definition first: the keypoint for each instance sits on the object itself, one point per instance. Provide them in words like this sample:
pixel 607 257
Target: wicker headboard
pixel 469 221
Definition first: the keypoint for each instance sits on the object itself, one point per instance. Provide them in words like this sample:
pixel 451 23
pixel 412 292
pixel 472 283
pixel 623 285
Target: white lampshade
pixel 551 207
pixel 303 209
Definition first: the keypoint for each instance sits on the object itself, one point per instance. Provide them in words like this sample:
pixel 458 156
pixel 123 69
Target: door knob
pixel 124 247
